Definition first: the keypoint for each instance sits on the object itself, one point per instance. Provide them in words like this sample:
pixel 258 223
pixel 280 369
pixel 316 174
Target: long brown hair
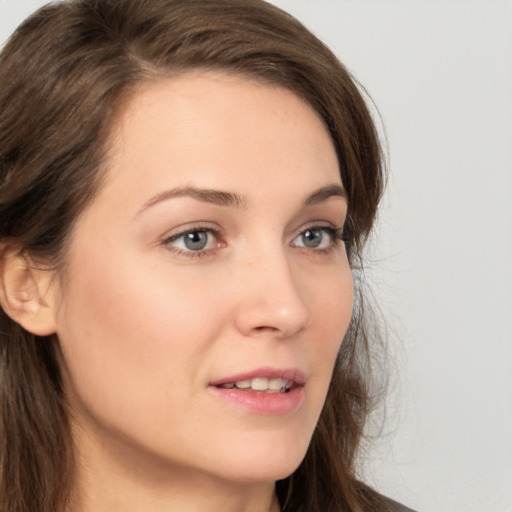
pixel 64 74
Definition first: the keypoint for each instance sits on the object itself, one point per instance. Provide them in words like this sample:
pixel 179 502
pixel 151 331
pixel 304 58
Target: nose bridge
pixel 271 298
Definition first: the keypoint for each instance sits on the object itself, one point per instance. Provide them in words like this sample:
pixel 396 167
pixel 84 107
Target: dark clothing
pixel 393 506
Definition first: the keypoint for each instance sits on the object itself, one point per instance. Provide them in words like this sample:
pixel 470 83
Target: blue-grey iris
pixel 196 240
pixel 312 238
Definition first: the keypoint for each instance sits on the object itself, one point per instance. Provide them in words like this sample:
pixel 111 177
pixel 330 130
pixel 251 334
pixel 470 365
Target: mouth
pixel 261 385
pixel 267 391
pixel 263 380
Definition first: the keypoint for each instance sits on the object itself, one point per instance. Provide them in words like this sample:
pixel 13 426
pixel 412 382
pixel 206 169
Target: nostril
pixel 264 328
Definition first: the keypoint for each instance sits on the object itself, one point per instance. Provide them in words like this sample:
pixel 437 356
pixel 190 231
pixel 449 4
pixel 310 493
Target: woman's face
pixel 211 255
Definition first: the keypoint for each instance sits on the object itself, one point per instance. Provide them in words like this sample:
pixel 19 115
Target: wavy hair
pixel 64 74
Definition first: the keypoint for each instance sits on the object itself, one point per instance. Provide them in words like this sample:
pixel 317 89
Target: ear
pixel 26 293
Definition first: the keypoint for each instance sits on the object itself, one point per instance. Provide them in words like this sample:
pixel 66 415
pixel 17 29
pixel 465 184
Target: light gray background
pixel 441 75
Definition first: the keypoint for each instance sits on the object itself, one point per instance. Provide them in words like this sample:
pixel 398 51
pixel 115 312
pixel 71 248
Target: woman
pixel 186 187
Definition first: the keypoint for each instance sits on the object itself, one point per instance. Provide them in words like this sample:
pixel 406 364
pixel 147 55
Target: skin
pixel 146 324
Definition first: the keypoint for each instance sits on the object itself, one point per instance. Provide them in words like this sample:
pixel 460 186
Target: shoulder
pixel 376 501
pixel 385 504
pixel 394 506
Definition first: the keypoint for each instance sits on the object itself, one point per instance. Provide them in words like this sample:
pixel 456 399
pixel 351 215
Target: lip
pixel 267 373
pixel 260 402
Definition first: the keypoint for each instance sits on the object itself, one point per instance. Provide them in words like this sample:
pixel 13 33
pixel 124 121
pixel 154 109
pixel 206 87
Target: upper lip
pixel 292 374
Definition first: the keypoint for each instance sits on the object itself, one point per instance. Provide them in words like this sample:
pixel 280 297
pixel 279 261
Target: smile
pixel 260 384
pixel 267 391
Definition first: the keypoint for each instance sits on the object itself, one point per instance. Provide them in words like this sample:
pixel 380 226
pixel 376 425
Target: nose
pixel 271 302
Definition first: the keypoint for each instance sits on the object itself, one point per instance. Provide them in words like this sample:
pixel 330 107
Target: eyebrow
pixel 230 199
pixel 324 193
pixel 204 195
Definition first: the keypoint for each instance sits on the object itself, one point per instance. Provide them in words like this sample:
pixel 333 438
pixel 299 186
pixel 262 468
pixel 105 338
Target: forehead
pixel 220 130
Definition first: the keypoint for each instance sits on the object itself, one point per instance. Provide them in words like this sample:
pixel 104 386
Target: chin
pixel 264 465
pixel 262 474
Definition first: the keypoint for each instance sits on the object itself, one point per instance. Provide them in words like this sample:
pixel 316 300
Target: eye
pixel 193 240
pixel 317 237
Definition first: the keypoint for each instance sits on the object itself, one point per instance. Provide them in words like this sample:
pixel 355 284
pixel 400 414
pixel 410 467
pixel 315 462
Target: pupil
pixel 312 238
pixel 196 240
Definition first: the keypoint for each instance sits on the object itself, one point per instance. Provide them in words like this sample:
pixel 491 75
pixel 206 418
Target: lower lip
pixel 262 403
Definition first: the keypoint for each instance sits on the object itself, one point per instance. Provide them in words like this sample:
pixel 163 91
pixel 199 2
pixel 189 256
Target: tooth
pixel 276 383
pixel 259 384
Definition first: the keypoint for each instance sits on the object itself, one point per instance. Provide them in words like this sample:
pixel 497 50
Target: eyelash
pixel 195 228
pixel 336 236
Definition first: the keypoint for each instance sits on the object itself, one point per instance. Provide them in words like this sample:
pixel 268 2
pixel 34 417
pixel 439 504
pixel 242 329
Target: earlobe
pixel 25 293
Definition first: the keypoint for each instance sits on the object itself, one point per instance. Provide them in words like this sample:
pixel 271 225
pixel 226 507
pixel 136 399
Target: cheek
pixel 129 337
pixel 335 315
pixel 138 339
pixel 331 299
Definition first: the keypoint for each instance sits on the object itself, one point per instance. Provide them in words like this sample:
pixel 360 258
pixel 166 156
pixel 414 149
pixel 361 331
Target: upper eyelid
pixel 189 228
pixel 317 224
pixel 214 228
pixel 206 226
pixel 333 230
pixel 320 224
